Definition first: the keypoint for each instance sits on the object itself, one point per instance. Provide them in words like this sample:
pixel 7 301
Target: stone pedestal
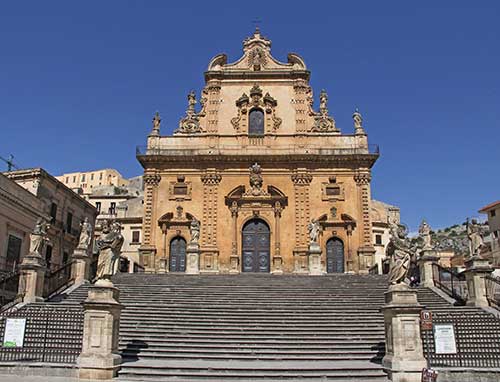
pixel 314 253
pixel 234 265
pixel 404 359
pixel 427 258
pixel 31 282
pixel 476 269
pixel 193 259
pixel 366 259
pixel 301 262
pixel 277 265
pixel 80 265
pixel 100 358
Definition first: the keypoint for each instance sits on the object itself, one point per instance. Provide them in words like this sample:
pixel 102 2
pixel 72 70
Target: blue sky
pixel 80 81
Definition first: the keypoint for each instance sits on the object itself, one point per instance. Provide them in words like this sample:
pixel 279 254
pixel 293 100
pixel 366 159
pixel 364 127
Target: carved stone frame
pixel 172 196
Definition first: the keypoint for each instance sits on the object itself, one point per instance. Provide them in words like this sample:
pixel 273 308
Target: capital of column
pixel 301 179
pixel 152 179
pixel 211 179
pixel 362 178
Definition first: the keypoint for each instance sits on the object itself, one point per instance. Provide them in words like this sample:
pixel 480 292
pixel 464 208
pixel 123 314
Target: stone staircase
pixel 251 328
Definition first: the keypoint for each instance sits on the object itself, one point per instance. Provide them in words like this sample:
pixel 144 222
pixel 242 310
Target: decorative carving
pixel 278 208
pixel 151 179
pixel 362 178
pixel 301 179
pixel 190 124
pixel 256 100
pixel 234 208
pixel 256 58
pixel 333 212
pixel 180 190
pixel 180 211
pixel 109 246
pixel 256 182
pixel 358 123
pixel 323 123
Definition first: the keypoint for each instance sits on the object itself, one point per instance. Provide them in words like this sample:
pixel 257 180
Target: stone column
pixel 427 258
pixel 163 261
pixel 234 260
pixel 80 265
pixel 31 282
pixel 301 180
pixel 193 259
pixel 476 269
pixel 209 223
pixel 315 260
pixel 148 249
pixel 277 268
pixel 100 358
pixel 366 252
pixel 404 358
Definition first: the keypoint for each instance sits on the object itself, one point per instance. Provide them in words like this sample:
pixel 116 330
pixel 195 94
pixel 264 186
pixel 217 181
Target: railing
pixel 57 279
pixel 138 268
pixel 493 291
pixel 373 270
pixel 9 285
pixel 451 282
pixel 239 149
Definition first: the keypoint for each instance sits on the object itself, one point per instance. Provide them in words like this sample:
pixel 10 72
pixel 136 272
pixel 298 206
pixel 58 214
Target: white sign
pixel 444 339
pixel 14 332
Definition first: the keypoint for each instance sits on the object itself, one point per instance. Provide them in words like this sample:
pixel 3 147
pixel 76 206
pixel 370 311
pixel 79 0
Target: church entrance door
pixel 256 246
pixel 335 256
pixel 177 260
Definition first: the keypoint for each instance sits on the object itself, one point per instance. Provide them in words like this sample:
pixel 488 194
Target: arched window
pixel 256 122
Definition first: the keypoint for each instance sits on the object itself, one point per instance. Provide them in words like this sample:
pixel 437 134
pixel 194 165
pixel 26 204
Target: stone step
pixel 242 337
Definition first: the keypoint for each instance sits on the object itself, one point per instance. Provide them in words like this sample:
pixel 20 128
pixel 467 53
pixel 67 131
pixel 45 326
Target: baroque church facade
pixel 253 165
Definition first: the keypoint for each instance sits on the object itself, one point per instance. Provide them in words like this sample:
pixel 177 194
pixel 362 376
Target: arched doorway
pixel 335 255
pixel 256 246
pixel 177 259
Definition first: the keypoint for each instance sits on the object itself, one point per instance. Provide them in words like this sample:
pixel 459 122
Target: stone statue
pixel 323 102
pixel 314 229
pixel 39 237
pixel 195 231
pixel 256 177
pixel 476 242
pixel 400 253
pixel 358 122
pixel 156 123
pixel 109 246
pixel 424 231
pixel 85 234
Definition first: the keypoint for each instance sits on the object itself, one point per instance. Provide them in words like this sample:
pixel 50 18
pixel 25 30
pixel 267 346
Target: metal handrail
pixel 373 270
pixel 9 285
pixel 450 282
pixel 57 279
pixel 493 291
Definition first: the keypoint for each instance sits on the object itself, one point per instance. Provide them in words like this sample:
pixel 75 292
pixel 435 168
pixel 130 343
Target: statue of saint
pixel 109 246
pixel 85 234
pixel 323 102
pixel 476 242
pixel 156 122
pixel 424 231
pixel 39 237
pixel 400 254
pixel 256 179
pixel 195 231
pixel 314 229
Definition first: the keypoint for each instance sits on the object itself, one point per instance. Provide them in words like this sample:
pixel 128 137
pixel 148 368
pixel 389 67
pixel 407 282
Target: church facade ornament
pixel 323 122
pixel 190 124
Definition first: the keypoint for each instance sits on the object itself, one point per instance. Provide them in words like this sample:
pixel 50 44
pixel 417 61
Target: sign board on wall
pixel 426 320
pixel 444 339
pixel 14 332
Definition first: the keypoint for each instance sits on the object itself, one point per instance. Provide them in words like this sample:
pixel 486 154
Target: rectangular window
pixel 100 176
pixel 83 177
pixel 48 256
pixel 74 179
pixel 378 239
pixel 332 190
pixel 53 212
pixel 180 189
pixel 92 176
pixel 69 222
pixel 112 208
pixel 492 213
pixel 135 236
pixel 13 252
pixel 67 179
pixel 65 258
pixel 98 206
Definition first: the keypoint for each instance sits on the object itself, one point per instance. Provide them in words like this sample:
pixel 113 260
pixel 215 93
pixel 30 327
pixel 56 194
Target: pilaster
pixel 31 282
pixel 476 269
pixel 148 249
pixel 301 181
pixel 213 91
pixel 80 265
pixel 427 258
pixel 366 252
pixel 209 251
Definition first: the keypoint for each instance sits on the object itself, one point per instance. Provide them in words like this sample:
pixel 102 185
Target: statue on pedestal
pixel 424 232
pixel 39 237
pixel 85 234
pixel 314 229
pixel 109 246
pixel 195 231
pixel 476 242
pixel 400 253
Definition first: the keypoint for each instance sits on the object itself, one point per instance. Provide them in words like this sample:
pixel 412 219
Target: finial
pixel 358 122
pixel 256 21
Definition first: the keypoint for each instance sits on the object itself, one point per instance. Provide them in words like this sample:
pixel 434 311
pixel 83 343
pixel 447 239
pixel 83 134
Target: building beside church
pixel 255 164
